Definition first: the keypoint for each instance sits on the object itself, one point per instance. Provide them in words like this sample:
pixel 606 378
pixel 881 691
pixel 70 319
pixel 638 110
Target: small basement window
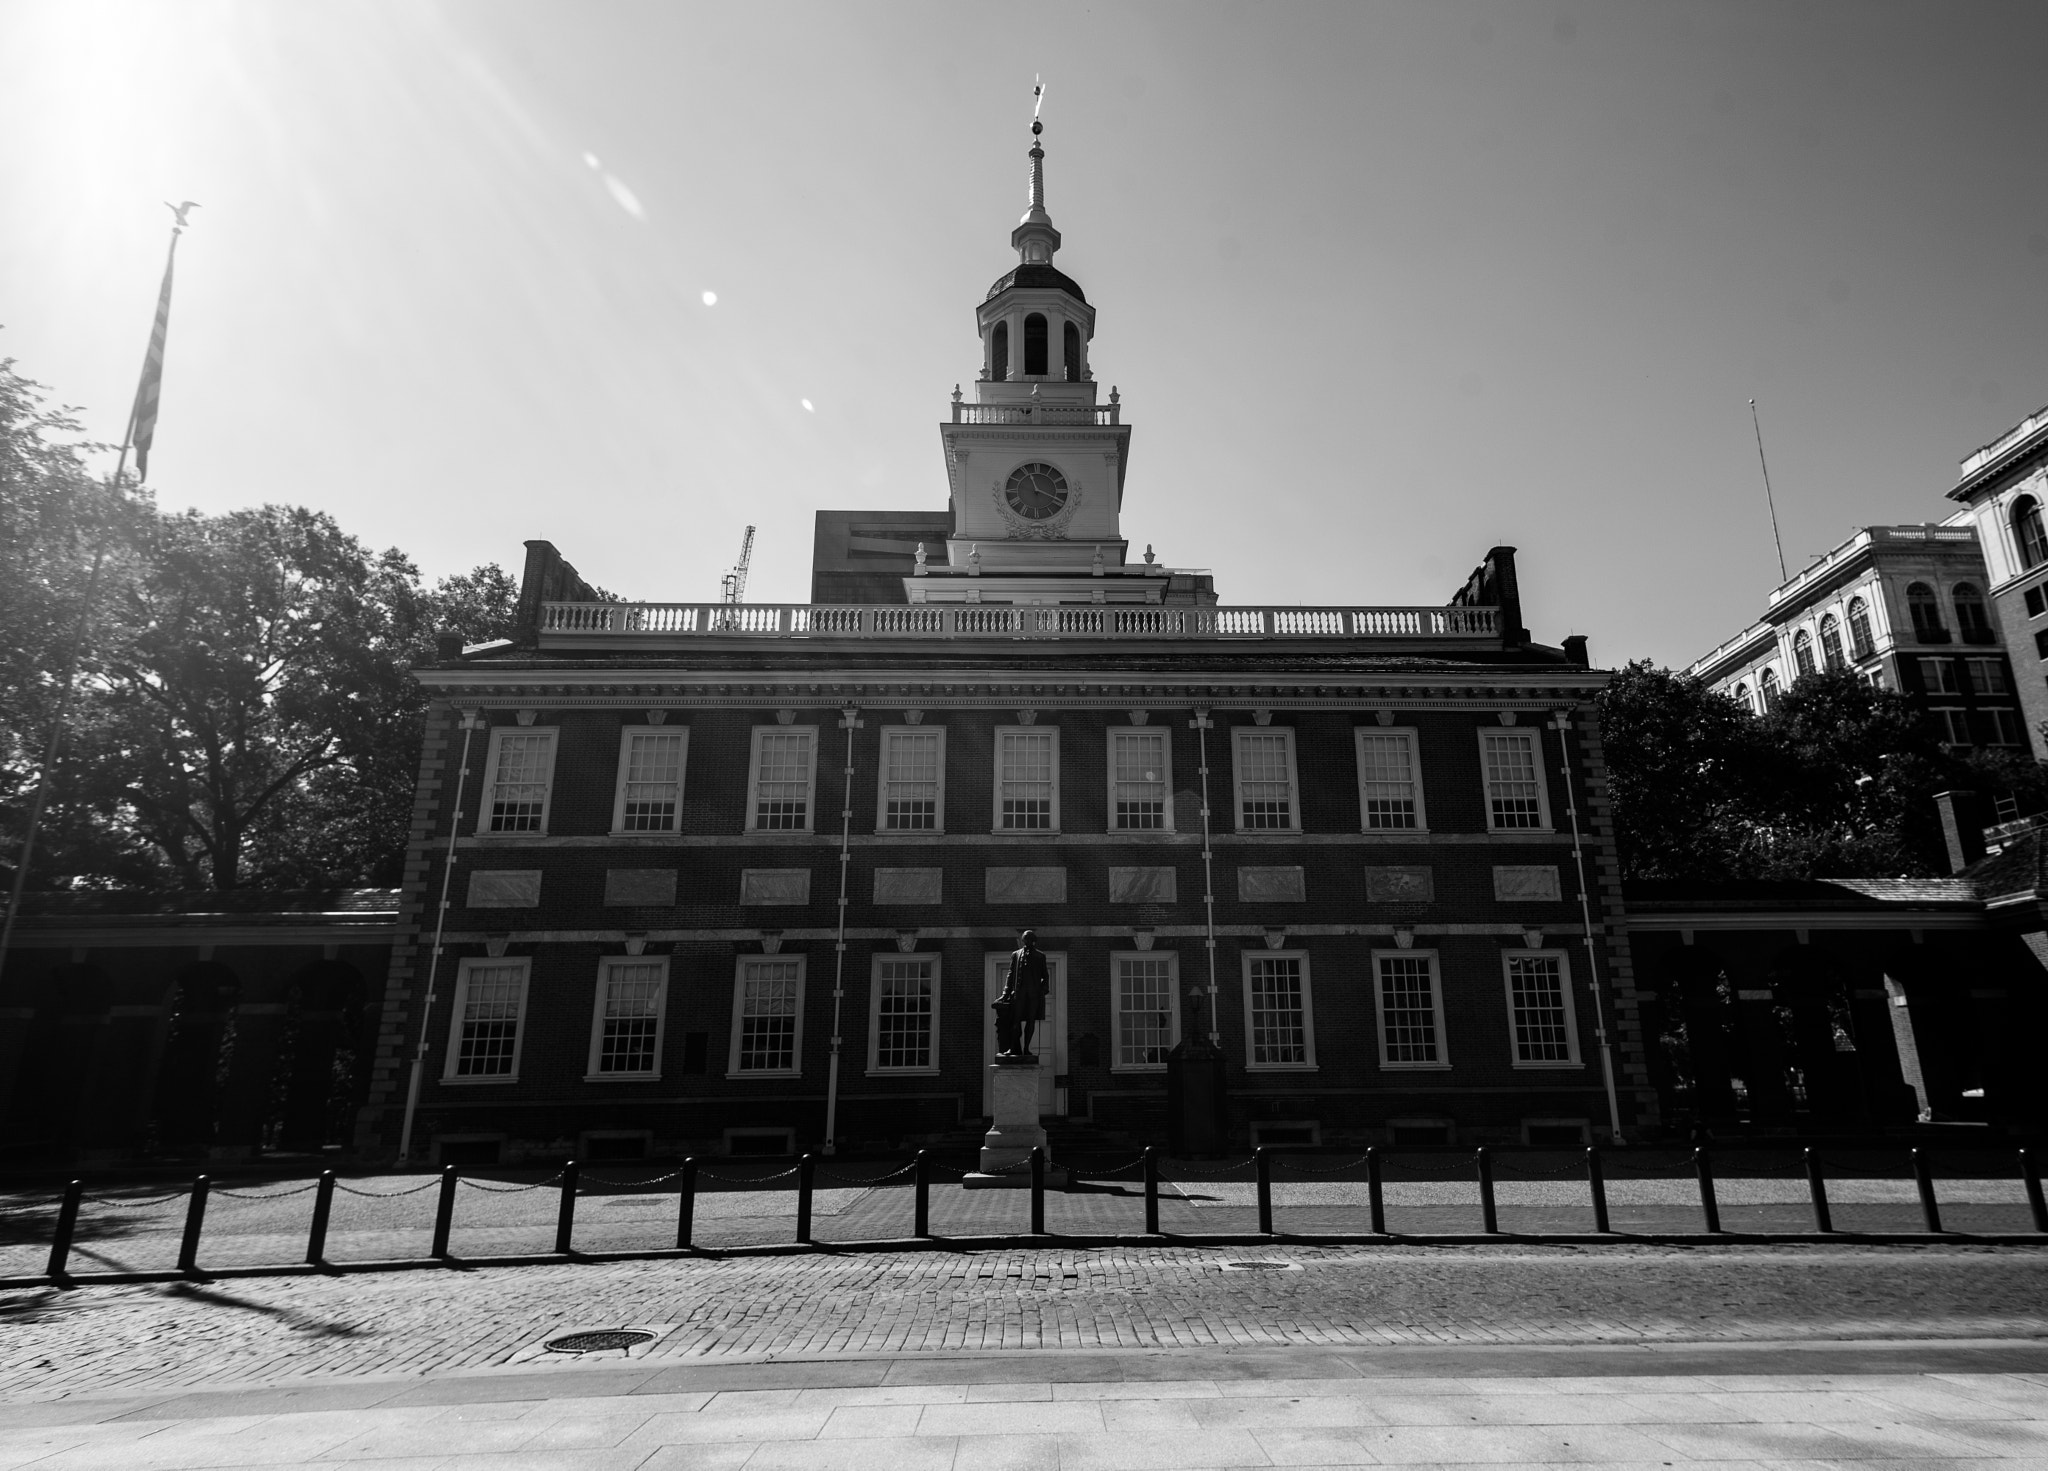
pixel 760 1141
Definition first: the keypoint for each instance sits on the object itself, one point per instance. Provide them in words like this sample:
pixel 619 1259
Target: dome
pixel 1039 276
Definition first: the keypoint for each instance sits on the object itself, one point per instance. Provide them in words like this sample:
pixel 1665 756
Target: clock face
pixel 1036 491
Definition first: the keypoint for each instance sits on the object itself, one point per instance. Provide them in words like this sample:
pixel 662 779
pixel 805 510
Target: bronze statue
pixel 1022 1004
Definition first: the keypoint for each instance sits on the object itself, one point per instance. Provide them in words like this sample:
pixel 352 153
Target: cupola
pixel 1035 321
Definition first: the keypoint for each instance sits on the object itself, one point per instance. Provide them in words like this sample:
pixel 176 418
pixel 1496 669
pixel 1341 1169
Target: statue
pixel 1022 1004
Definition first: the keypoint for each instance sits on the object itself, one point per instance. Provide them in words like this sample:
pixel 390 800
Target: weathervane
pixel 1037 101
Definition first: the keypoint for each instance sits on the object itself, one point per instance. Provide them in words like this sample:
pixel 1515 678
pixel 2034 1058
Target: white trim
pixel 490 783
pixel 810 821
pixel 882 779
pixel 1116 1007
pixel 1436 996
pixel 1414 740
pixel 1164 735
pixel 889 957
pixel 1531 736
pixel 1571 1017
pixel 1249 958
pixel 1238 736
pixel 627 736
pixel 593 1072
pixel 739 990
pixel 453 1058
pixel 996 800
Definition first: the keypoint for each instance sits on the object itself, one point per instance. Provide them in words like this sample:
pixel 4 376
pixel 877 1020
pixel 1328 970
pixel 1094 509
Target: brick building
pixel 745 878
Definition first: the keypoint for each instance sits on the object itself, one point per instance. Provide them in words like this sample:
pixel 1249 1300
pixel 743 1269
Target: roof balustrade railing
pixel 576 622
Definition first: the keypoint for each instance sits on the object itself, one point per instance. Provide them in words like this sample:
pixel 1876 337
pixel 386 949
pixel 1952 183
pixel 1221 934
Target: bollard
pixel 1817 1186
pixel 921 1197
pixel 686 1204
pixel 323 1207
pixel 1596 1186
pixel 444 1215
pixel 565 1216
pixel 1923 1176
pixel 805 1169
pixel 1152 1191
pixel 1037 1190
pixel 1709 1208
pixel 2030 1176
pixel 195 1217
pixel 1264 1162
pixel 1375 1196
pixel 67 1225
pixel 1489 1218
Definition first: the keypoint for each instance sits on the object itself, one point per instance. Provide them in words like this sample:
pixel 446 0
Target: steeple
pixel 1034 238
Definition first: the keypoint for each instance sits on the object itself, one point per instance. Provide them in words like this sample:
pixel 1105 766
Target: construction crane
pixel 736 580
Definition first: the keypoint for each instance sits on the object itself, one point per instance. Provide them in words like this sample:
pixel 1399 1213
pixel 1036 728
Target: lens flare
pixel 807 406
pixel 711 298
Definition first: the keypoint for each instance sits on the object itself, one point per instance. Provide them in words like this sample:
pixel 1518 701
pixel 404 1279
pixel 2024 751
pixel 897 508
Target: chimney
pixel 1575 651
pixel 448 645
pixel 1962 828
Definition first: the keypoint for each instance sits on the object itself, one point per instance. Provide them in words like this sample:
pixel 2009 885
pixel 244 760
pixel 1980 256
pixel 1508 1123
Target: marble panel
pixel 1414 884
pixel 908 885
pixel 1143 885
pixel 1271 884
pixel 640 886
pixel 504 888
pixel 775 886
pixel 1523 883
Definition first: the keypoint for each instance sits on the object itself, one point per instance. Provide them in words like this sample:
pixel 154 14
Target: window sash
pixel 784 776
pixel 1860 641
pixel 913 780
pixel 1540 1010
pixel 650 797
pixel 1938 677
pixel 1411 1011
pixel 1389 781
pixel 631 995
pixel 522 772
pixel 1265 781
pixel 1514 783
pixel 1027 780
pixel 767 1017
pixel 489 1012
pixel 1987 677
pixel 905 1014
pixel 1277 1011
pixel 1138 779
pixel 1147 1009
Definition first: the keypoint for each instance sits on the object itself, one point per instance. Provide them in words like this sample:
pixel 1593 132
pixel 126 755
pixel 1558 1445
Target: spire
pixel 1035 238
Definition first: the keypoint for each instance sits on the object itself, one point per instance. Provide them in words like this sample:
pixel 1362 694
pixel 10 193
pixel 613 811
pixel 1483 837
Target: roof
pixel 1802 894
pixel 1041 277
pixel 240 904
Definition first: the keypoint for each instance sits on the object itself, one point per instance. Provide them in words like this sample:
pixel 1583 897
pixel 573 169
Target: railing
pixel 574 621
pixel 1033 413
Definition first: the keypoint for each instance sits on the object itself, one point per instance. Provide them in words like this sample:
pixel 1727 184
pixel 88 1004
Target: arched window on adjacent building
pixel 1971 616
pixel 1861 644
pixel 999 352
pixel 1831 643
pixel 1802 652
pixel 1925 609
pixel 1742 698
pixel 1070 348
pixel 2028 535
pixel 1767 687
pixel 1034 345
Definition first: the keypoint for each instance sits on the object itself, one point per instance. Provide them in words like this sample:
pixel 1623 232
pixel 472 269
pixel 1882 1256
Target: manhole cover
pixel 590 1343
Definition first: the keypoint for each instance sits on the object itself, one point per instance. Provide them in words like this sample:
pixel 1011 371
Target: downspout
pixel 1592 950
pixel 419 1057
pixel 849 723
pixel 1201 724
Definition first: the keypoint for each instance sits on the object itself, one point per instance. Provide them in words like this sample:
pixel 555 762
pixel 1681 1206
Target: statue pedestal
pixel 1006 1148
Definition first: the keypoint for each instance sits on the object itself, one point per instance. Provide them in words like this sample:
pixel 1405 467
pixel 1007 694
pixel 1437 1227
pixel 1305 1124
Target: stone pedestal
pixel 1006 1148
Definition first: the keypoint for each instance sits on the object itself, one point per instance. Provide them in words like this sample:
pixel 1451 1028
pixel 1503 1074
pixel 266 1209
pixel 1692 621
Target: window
pixel 1925 609
pixel 490 1001
pixel 625 1031
pixel 2036 603
pixel 1742 697
pixel 1861 645
pixel 1951 726
pixel 1266 799
pixel 912 798
pixel 522 768
pixel 1411 1010
pixel 1972 618
pixel 1147 999
pixel 1027 779
pixel 1540 1020
pixel 1140 781
pixel 767 1018
pixel 999 352
pixel 1389 780
pixel 1034 345
pixel 1515 799
pixel 784 780
pixel 1802 653
pixel 1831 643
pixel 2028 536
pixel 2041 643
pixel 1070 343
pixel 1988 677
pixel 1938 677
pixel 1767 687
pixel 2003 727
pixel 903 1015
pixel 1277 1015
pixel 650 795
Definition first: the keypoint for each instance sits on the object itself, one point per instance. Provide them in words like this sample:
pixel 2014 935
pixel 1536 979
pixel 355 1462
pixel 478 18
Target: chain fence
pixel 265 1194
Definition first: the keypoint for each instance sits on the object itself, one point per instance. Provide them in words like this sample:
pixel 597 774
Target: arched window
pixel 1742 697
pixel 1926 610
pixel 1831 643
pixel 1971 617
pixel 1767 687
pixel 999 352
pixel 1860 642
pixel 1070 347
pixel 1034 345
pixel 1802 652
pixel 2027 532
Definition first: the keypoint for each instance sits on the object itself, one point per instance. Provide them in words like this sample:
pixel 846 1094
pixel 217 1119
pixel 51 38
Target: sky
pixel 1382 285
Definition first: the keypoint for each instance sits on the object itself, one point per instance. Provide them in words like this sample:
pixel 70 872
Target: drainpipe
pixel 1586 915
pixel 1201 723
pixel 848 722
pixel 470 725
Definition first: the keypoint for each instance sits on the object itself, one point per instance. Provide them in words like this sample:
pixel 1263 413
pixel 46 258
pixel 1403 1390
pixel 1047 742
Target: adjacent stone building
pixel 2002 488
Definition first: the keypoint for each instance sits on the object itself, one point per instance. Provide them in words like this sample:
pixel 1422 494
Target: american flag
pixel 142 422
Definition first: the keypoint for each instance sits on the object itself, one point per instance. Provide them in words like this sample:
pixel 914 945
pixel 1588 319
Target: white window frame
pixel 739 994
pixel 453 1059
pixel 626 739
pixel 490 787
pixel 605 968
pixel 1164 735
pixel 1571 1016
pixel 810 822
pixel 889 957
pixel 1993 681
pixel 996 761
pixel 888 732
pixel 1116 1007
pixel 1238 736
pixel 1308 1013
pixel 1442 1061
pixel 1533 737
pixel 1414 738
pixel 1939 676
